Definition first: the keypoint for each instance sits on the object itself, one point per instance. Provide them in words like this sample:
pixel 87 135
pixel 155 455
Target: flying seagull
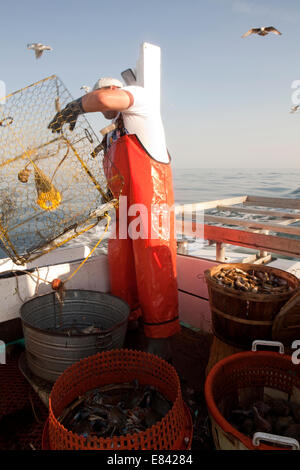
pixel 38 48
pixel 294 108
pixel 262 31
pixel 87 89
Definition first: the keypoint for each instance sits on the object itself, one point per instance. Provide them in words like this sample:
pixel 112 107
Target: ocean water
pixel 197 185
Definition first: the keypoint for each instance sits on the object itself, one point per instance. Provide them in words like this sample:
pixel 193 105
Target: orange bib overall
pixel 142 263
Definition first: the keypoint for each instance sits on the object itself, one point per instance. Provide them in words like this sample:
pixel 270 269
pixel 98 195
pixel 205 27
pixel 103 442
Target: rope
pixel 30 274
pixel 38 276
pixel 33 408
pixel 97 244
pixel 17 288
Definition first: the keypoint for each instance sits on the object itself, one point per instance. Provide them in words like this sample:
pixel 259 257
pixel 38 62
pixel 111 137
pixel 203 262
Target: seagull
pixel 38 48
pixel 262 31
pixel 87 89
pixel 294 108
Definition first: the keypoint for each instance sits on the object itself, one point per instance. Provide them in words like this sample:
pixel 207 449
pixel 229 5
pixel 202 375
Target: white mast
pixel 148 71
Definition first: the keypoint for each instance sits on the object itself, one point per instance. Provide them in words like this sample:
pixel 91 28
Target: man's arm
pixel 107 100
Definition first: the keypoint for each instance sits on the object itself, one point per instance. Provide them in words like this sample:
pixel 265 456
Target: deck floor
pixel 23 413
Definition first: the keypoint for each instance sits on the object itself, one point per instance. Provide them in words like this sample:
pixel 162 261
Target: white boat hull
pixel 194 309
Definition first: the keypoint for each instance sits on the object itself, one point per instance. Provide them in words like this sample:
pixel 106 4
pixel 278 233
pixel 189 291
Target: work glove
pixel 68 115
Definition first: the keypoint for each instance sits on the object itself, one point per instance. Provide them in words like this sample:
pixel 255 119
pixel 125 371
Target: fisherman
pixel 142 269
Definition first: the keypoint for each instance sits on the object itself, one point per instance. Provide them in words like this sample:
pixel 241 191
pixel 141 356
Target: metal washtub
pixel 49 353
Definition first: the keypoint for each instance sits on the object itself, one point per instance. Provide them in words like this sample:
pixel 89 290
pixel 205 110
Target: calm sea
pixel 196 185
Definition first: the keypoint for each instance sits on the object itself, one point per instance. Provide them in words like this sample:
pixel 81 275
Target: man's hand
pixel 68 115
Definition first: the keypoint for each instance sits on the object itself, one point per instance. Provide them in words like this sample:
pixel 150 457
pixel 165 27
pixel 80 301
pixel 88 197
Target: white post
pixel 148 70
pixel 220 251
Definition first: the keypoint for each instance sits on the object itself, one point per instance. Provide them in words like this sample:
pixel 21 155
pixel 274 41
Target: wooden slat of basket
pixel 240 320
pixel 218 351
pixel 286 327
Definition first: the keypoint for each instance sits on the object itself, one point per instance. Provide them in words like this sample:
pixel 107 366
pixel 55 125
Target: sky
pixel 225 100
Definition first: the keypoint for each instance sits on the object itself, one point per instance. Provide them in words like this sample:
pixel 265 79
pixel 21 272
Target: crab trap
pixel 52 186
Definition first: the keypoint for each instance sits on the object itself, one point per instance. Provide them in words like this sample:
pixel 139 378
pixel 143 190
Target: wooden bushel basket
pixel 239 317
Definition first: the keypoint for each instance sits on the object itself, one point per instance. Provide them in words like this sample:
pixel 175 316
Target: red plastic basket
pixel 173 432
pixel 240 371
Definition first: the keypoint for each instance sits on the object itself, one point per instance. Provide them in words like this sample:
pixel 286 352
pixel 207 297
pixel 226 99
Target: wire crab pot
pixel 52 186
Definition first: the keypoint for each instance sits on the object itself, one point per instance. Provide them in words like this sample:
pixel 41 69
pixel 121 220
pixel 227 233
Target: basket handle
pixel 262 342
pixel 278 321
pixel 280 440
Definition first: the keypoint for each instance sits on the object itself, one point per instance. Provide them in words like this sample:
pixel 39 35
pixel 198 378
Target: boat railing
pixel 265 224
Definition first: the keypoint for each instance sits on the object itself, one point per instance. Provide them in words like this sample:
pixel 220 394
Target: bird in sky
pixel 294 108
pixel 38 48
pixel 262 31
pixel 86 88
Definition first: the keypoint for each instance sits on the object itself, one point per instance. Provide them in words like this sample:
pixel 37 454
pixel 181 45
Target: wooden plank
pixel 256 241
pixel 259 241
pixel 197 206
pixel 270 213
pixel 252 224
pixel 263 253
pixel 286 221
pixel 278 202
pixel 263 259
pixel 250 259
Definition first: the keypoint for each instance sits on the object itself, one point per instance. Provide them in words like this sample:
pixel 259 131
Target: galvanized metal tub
pixel 49 353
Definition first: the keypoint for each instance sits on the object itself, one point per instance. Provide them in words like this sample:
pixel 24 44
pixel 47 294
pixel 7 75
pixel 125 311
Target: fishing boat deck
pixel 24 397
pixel 269 229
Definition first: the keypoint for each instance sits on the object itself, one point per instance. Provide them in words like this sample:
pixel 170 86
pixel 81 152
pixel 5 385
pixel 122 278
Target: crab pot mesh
pixel 250 374
pixel 173 432
pixel 50 183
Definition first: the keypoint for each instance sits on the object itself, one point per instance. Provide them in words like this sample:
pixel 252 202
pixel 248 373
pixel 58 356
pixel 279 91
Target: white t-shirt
pixel 144 120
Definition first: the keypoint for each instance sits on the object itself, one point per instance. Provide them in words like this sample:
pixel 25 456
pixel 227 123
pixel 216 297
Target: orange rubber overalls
pixel 143 270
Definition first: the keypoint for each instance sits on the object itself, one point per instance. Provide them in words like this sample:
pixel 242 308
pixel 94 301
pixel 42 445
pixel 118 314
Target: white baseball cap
pixel 107 81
